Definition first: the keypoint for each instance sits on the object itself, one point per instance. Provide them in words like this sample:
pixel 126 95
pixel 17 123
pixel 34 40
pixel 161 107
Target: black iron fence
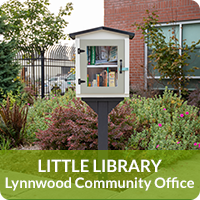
pixel 39 68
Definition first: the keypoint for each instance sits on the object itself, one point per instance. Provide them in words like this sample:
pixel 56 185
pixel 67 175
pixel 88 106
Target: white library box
pixel 102 62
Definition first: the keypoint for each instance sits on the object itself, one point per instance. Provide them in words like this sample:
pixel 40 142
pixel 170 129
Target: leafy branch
pixel 166 56
pixel 33 24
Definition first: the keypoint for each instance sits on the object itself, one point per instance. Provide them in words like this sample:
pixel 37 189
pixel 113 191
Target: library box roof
pixel 73 35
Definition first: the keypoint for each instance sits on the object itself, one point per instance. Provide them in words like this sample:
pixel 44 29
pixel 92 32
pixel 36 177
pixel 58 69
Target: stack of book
pixel 101 55
pixel 105 79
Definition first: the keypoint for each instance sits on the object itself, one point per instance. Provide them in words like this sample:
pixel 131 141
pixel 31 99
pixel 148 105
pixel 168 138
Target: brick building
pixel 121 14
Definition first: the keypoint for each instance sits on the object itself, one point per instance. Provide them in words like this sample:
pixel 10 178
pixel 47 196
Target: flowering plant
pixel 164 123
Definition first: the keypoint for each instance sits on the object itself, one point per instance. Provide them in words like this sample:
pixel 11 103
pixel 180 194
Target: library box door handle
pixel 80 51
pixel 122 68
pixel 120 71
pixel 80 81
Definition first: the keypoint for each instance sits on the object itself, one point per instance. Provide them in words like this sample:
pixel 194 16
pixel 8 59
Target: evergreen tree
pixel 9 70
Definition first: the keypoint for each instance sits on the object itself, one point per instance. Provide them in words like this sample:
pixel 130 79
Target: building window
pixel 189 31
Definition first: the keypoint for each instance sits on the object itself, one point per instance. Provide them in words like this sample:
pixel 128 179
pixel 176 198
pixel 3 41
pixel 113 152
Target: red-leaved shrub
pixel 76 128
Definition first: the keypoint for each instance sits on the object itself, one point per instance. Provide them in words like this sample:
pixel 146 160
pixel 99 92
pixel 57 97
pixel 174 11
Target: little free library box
pixel 102 62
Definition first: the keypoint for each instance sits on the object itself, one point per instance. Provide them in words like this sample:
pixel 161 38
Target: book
pixel 100 80
pixel 99 62
pixel 92 55
pixel 107 77
pixel 97 78
pixel 105 62
pixel 102 55
pixel 112 79
pixel 88 51
pixel 113 53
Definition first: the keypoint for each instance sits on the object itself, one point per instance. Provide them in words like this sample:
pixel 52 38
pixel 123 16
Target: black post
pixel 102 106
pixel 42 74
pixel 102 125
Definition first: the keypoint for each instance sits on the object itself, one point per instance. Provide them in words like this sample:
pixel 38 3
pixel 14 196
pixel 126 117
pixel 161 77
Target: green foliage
pixel 73 70
pixel 12 123
pixel 56 90
pixel 28 95
pixel 4 143
pixel 165 123
pixel 75 128
pixel 20 97
pixel 33 24
pixel 13 98
pixel 9 70
pixel 168 61
pixel 42 108
pixel 135 120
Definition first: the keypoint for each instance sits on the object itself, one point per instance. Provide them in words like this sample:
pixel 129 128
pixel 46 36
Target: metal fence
pixel 39 67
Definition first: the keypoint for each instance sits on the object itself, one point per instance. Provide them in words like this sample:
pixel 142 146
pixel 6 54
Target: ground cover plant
pixel 164 123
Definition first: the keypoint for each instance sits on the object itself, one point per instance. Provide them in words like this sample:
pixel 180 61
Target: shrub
pixel 12 123
pixel 164 123
pixel 75 127
pixel 41 109
pixel 20 97
pixel 121 124
pixel 28 95
pixel 65 124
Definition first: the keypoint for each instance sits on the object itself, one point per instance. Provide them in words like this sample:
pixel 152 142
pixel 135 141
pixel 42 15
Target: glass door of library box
pixel 100 66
